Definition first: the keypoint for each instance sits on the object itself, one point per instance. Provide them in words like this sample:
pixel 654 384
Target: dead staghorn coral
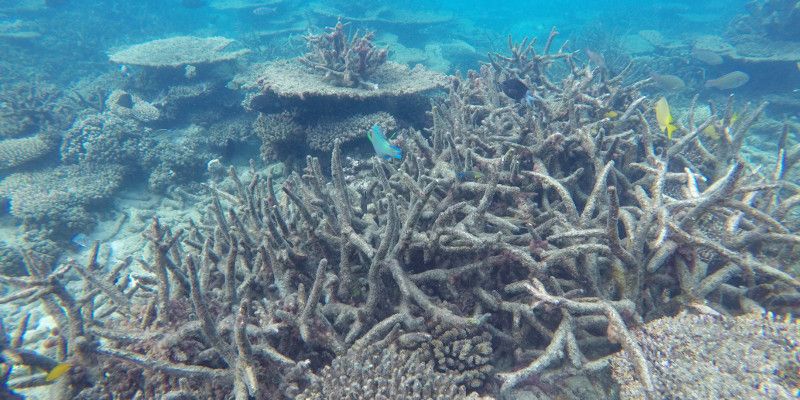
pixel 544 225
pixel 344 61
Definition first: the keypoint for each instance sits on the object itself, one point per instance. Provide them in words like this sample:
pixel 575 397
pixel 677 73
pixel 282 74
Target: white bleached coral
pixel 178 51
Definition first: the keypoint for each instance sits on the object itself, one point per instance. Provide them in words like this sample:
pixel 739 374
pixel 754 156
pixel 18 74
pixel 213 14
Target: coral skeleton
pixel 345 61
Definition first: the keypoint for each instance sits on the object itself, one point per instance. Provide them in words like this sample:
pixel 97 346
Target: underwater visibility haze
pixel 278 199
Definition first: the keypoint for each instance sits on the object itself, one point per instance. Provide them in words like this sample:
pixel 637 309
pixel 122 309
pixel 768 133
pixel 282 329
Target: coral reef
pixel 767 44
pixel 537 225
pixel 344 61
pixel 325 112
pixel 178 51
pixel 178 161
pixel 465 353
pixel 324 133
pixel 26 108
pixel 746 357
pixel 20 151
pixel 775 19
pixel 126 105
pixel 279 134
pixel 380 372
pixel 289 79
pixel 105 138
pixel 58 198
pixel 11 262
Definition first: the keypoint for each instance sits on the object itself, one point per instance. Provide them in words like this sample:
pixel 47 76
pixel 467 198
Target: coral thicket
pixel 522 241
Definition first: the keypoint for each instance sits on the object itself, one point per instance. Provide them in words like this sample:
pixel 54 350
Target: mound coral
pixel 19 151
pixel 58 198
pixel 384 372
pixel 325 132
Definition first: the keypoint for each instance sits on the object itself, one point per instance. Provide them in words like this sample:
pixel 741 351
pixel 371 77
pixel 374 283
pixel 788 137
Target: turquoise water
pixel 283 199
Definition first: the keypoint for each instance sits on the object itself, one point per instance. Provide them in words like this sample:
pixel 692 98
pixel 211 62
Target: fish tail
pixel 398 152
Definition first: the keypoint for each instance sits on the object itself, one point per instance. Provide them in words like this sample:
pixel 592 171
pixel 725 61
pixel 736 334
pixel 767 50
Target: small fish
pixel 381 145
pixel 596 58
pixel 664 117
pixel 611 114
pixel 193 3
pixel 706 56
pixel 514 88
pixel 714 133
pixel 711 131
pixel 80 240
pixel 57 372
pixel 731 80
pixel 668 82
pixel 264 11
pixel 469 176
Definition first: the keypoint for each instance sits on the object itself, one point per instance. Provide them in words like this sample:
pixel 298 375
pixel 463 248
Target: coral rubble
pixel 706 356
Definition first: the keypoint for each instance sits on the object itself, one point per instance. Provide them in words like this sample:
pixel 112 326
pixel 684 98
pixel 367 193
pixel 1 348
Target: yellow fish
pixel 611 114
pixel 664 118
pixel 711 131
pixel 57 372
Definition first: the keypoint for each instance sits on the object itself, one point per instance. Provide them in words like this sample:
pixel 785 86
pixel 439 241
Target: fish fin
pixel 398 152
pixel 57 371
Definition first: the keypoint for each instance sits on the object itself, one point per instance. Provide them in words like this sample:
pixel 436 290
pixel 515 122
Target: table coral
pixel 177 52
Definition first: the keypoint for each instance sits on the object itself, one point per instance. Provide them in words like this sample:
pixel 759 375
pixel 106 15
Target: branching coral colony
pixel 344 61
pixel 529 235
